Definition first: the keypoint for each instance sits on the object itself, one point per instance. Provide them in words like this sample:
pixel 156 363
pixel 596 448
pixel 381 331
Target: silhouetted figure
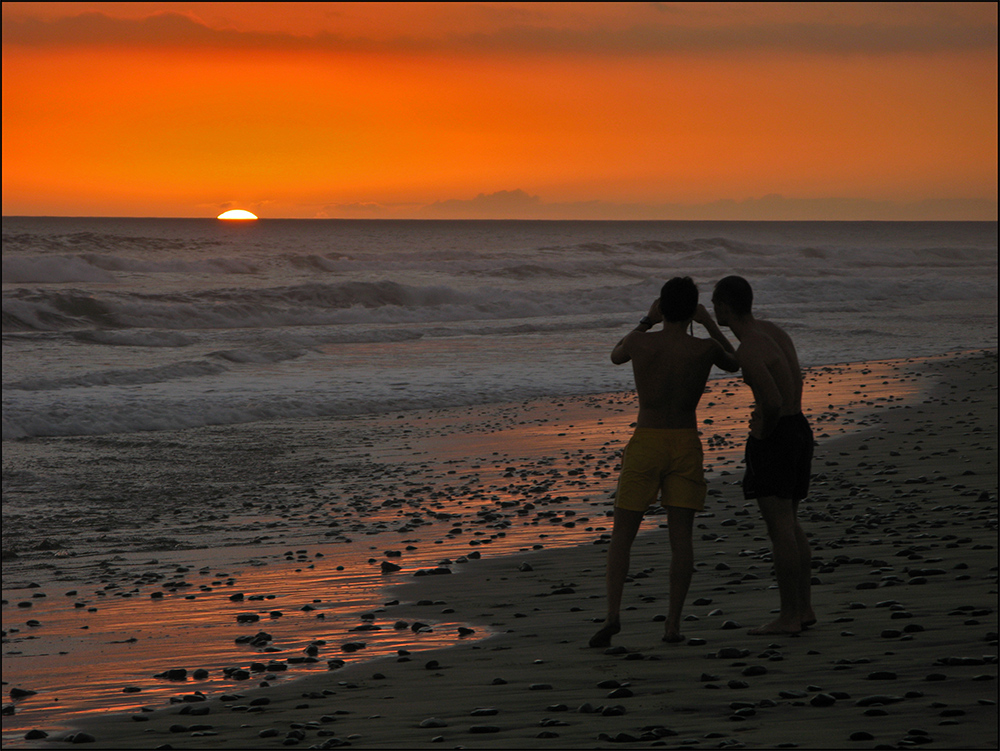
pixel 779 449
pixel 664 455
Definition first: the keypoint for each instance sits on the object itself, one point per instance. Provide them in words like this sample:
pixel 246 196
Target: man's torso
pixel 774 348
pixel 670 374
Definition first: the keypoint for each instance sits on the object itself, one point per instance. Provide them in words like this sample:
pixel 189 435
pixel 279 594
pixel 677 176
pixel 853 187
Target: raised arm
pixel 725 356
pixel 620 354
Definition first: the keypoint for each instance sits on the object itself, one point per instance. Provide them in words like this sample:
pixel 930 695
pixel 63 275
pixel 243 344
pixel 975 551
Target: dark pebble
pixel 793 694
pixel 877 699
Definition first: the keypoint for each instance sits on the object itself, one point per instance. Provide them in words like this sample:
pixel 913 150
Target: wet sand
pixel 902 518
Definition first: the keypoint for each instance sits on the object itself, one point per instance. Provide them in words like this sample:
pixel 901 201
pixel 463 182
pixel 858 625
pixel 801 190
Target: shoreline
pixel 463 593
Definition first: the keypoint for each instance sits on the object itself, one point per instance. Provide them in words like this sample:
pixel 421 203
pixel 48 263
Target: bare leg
pixel 622 535
pixel 680 522
pixel 791 566
pixel 806 613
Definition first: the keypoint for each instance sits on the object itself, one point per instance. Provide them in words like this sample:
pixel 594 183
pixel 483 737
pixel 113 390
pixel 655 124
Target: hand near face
pixel 702 316
pixel 654 313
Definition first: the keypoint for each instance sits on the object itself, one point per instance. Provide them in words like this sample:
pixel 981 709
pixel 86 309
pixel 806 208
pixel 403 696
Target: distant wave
pixel 84 242
pixel 387 302
pixel 134 338
pixel 100 268
pixel 301 305
pixel 120 377
pixel 102 258
pixel 52 270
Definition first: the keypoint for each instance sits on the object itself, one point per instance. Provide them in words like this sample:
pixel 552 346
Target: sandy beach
pixel 512 502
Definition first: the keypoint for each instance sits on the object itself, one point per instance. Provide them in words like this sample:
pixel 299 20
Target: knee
pixel 681 565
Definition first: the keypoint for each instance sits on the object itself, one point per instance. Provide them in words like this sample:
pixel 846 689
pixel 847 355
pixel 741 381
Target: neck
pixel 678 327
pixel 739 326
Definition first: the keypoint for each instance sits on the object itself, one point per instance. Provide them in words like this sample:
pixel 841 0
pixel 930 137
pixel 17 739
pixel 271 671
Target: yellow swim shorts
pixel 662 461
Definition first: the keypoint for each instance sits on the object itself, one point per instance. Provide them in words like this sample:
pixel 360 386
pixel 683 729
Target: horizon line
pixel 474 219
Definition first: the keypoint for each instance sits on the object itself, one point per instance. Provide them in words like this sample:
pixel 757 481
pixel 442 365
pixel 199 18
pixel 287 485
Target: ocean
pixel 129 325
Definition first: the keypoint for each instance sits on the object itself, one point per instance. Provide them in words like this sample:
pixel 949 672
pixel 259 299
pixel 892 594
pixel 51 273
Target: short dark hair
pixel 735 292
pixel 678 299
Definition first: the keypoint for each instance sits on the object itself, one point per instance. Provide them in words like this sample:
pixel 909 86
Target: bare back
pixel 670 372
pixel 771 367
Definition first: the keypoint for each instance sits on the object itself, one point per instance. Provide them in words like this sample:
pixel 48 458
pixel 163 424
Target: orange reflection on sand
pixel 91 659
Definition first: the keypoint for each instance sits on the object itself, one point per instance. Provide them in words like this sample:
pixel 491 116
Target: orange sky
pixel 845 110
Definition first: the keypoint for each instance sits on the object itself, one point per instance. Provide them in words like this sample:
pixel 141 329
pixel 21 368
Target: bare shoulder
pixel 774 331
pixel 754 343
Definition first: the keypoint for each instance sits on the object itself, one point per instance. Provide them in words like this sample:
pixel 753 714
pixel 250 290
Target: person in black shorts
pixel 779 450
pixel 781 464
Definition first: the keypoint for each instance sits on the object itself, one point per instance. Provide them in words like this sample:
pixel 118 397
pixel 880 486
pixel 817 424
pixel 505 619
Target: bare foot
pixel 603 637
pixel 673 637
pixel 809 619
pixel 777 627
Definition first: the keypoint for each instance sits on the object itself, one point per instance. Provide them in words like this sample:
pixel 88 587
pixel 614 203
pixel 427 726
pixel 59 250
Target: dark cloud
pixel 922 35
pixel 500 204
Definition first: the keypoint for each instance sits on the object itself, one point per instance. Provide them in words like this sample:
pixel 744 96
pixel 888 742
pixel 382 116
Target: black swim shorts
pixel 780 464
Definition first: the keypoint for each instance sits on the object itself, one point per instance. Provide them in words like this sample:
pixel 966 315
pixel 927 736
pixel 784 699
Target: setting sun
pixel 236 214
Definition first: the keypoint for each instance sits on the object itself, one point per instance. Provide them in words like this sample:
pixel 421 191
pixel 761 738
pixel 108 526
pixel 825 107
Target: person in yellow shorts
pixel 664 456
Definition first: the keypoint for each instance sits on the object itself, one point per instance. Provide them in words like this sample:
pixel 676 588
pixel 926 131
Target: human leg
pixel 680 523
pixel 806 612
pixel 791 565
pixel 626 526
